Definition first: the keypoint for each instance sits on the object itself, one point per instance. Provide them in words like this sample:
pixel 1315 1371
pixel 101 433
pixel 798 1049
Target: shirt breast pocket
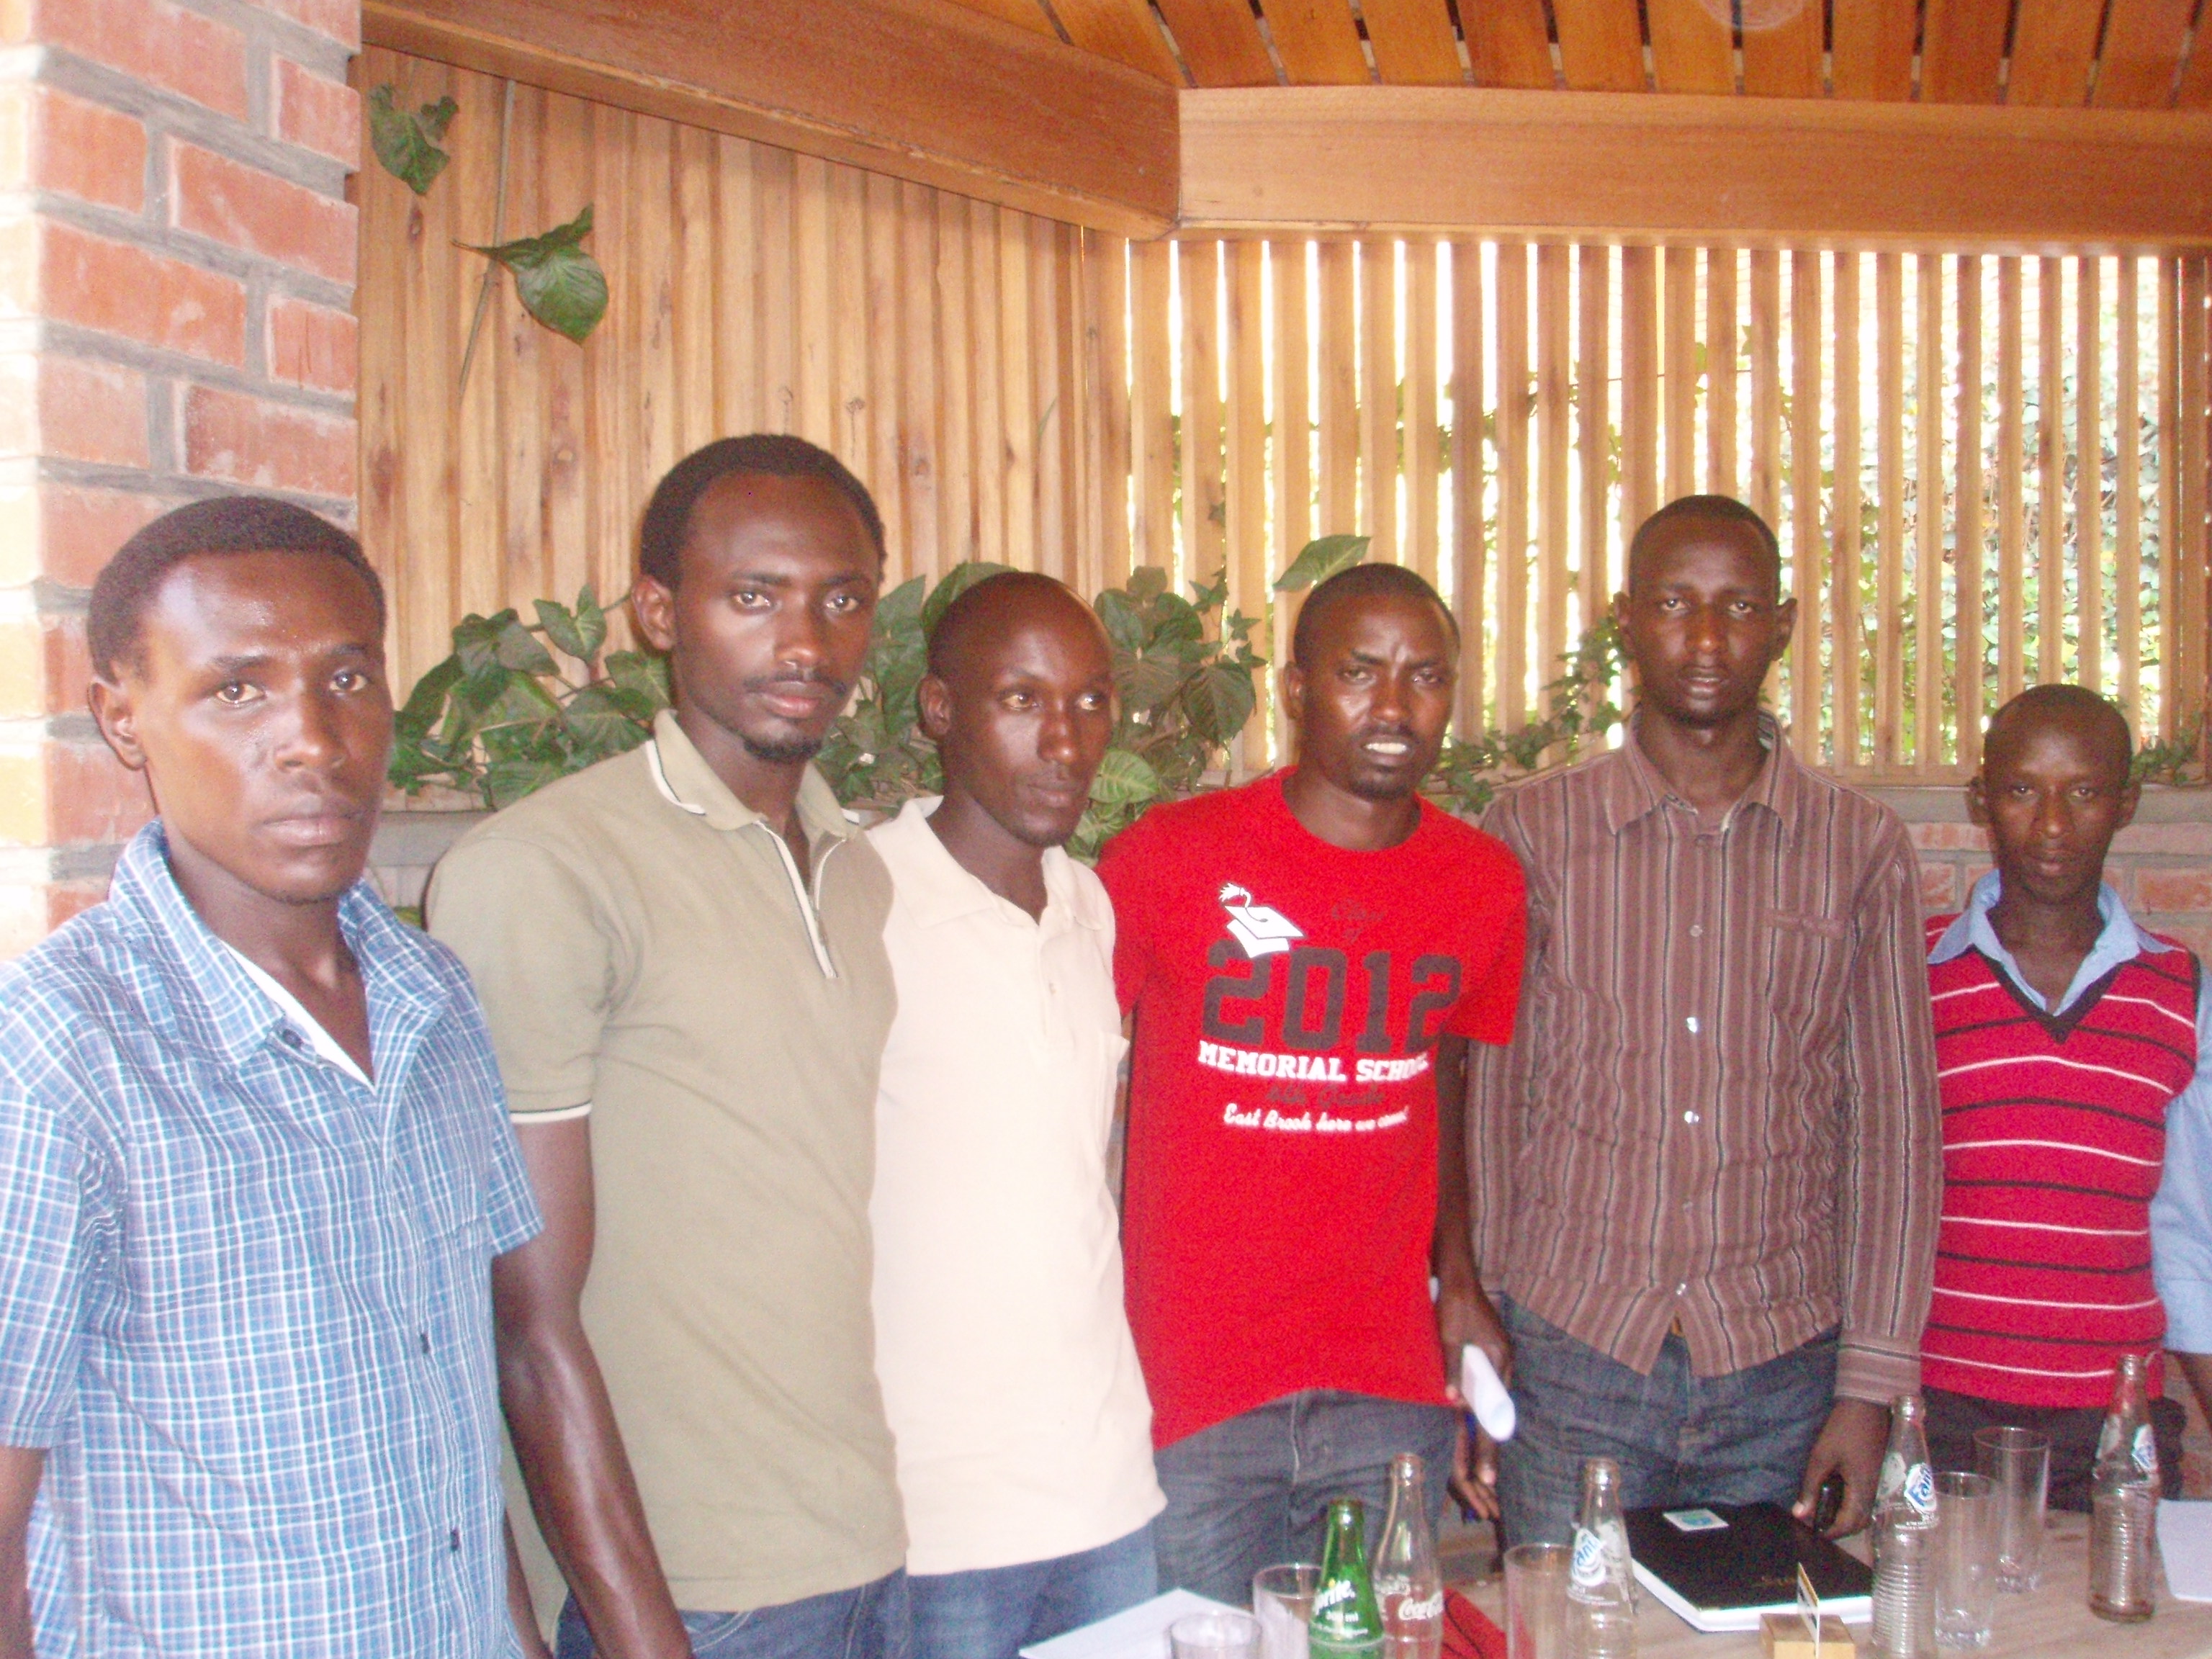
pixel 1805 955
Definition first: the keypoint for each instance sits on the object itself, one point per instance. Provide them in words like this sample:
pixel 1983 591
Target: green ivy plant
pixel 518 704
pixel 501 717
pixel 406 141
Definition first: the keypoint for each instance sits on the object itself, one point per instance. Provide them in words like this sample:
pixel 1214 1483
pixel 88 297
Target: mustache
pixel 799 677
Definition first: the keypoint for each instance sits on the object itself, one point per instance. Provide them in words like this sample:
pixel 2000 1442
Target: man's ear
pixel 1294 693
pixel 116 711
pixel 934 703
pixel 652 602
pixel 1978 801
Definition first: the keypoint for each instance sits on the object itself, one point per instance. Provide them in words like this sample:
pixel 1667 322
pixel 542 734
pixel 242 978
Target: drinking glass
pixel 1215 1636
pixel 2018 1464
pixel 1536 1601
pixel 1282 1600
pixel 1966 1558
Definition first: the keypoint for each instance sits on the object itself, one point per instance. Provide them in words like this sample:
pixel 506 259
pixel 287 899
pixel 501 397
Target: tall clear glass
pixel 1536 1601
pixel 1282 1600
pixel 2018 1464
pixel 1965 1559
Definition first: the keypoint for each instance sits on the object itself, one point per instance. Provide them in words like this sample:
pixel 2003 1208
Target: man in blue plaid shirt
pixel 254 1162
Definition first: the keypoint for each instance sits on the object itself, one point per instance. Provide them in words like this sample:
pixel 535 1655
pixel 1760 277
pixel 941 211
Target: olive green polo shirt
pixel 646 950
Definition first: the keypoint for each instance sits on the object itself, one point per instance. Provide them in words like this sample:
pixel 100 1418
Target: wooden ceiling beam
pixel 1638 168
pixel 919 89
pixel 2143 48
pixel 1413 42
pixel 2053 44
pixel 1507 44
pixel 1318 43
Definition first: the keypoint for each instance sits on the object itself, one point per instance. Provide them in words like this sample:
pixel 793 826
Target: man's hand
pixel 1850 1443
pixel 1465 1315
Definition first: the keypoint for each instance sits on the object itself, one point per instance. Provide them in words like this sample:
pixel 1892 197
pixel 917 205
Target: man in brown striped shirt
pixel 1708 1166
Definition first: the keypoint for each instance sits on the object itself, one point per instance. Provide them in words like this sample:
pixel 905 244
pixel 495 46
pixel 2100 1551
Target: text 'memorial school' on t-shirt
pixel 1281 1176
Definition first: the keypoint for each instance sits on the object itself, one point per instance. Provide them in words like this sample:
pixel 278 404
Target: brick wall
pixel 177 258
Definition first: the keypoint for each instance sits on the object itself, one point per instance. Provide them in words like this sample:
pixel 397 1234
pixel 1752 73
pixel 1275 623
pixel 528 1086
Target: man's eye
pixel 844 603
pixel 349 679
pixel 233 692
pixel 748 598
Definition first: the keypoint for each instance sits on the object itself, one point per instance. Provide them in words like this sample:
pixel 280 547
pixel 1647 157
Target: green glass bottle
pixel 1347 1620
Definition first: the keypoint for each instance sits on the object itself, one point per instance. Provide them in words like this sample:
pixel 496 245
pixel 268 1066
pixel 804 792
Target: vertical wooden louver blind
pixel 1984 471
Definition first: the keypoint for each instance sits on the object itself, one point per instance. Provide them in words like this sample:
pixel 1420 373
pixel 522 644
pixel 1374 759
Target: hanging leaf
pixel 1219 701
pixel 1123 777
pixel 1320 559
pixel 558 283
pixel 647 676
pixel 518 648
pixel 405 141
pixel 560 625
pixel 590 621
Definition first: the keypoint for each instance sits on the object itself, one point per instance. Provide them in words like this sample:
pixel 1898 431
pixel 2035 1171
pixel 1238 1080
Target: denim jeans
pixel 870 1622
pixel 1680 1439
pixel 993 1613
pixel 1254 1490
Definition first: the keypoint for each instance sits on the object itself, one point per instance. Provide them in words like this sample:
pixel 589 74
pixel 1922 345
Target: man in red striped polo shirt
pixel 2064 1036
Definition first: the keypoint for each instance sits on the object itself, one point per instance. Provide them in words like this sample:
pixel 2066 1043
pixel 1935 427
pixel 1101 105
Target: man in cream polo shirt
pixel 1012 1385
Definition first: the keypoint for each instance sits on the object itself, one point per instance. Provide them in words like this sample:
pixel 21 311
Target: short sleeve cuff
pixel 1864 1372
pixel 549 1114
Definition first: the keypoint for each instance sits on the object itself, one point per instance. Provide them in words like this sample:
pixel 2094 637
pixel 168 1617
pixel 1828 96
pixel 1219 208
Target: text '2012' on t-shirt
pixel 1281 1181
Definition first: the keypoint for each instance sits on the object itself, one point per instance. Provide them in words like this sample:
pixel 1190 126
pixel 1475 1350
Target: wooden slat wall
pixel 1499 415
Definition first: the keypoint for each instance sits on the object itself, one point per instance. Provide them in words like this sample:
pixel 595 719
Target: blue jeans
pixel 870 1622
pixel 1680 1438
pixel 993 1613
pixel 1254 1490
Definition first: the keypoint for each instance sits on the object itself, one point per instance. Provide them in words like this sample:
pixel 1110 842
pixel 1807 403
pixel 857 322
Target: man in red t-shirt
pixel 1307 957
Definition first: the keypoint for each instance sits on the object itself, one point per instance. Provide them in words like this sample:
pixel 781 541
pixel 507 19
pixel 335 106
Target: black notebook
pixel 1721 1566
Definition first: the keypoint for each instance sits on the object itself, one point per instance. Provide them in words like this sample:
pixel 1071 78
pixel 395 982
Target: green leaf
pixel 1125 624
pixel 1146 582
pixel 1148 681
pixel 506 782
pixel 475 640
pixel 407 143
pixel 1123 778
pixel 558 283
pixel 1218 701
pixel 1320 559
pixel 560 625
pixel 604 721
pixel 591 623
pixel 423 702
pixel 518 648
pixel 958 580
pixel 1176 620
pixel 647 676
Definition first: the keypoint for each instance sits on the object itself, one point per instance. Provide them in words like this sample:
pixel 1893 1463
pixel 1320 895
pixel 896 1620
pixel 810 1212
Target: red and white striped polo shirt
pixel 2054 1140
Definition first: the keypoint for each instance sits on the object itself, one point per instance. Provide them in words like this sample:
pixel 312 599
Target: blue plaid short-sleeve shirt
pixel 245 1299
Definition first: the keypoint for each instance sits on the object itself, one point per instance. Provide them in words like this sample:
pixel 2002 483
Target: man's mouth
pixel 797 699
pixel 1387 747
pixel 324 825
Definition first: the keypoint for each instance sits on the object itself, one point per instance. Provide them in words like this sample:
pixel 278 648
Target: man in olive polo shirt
pixel 681 954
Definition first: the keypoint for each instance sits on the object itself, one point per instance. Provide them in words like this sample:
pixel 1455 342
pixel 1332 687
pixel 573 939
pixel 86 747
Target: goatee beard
pixel 781 754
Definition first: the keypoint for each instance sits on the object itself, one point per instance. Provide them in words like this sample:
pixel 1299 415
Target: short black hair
pixel 225 524
pixel 1726 507
pixel 775 454
pixel 2066 703
pixel 1362 581
pixel 953 635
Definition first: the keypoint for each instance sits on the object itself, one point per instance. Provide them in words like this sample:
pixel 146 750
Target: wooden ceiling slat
pixel 1123 30
pixel 1601 44
pixel 1413 42
pixel 1318 42
pixel 1692 50
pixel 1507 44
pixel 1961 46
pixel 2053 43
pixel 1782 54
pixel 1220 43
pixel 1874 45
pixel 2143 47
pixel 1024 14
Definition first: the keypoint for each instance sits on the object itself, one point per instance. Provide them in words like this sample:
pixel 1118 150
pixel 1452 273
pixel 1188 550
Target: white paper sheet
pixel 1139 1633
pixel 2184 1540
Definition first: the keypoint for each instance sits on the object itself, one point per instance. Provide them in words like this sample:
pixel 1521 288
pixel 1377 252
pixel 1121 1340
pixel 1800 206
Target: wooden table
pixel 2052 1622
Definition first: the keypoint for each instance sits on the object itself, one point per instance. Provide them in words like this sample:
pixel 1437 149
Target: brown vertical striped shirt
pixel 1719 1104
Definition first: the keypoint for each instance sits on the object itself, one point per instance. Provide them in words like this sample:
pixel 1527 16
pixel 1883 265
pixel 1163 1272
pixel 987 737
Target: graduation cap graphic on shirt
pixel 1261 929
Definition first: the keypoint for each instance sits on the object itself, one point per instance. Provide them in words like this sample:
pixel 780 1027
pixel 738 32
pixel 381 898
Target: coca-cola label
pixel 1418 1610
pixel 1589 1570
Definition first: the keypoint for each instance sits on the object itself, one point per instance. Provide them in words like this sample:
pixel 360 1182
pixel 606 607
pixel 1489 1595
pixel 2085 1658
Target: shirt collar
pixel 936 888
pixel 1970 930
pixel 1633 787
pixel 684 779
pixel 218 1006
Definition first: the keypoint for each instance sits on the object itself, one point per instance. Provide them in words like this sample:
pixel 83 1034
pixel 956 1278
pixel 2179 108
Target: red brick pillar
pixel 177 258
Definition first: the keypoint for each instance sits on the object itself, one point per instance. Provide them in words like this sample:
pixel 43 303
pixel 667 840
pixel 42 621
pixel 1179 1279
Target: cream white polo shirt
pixel 1008 1373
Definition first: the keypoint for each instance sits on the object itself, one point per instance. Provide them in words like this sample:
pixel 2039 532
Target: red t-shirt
pixel 1281 1190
